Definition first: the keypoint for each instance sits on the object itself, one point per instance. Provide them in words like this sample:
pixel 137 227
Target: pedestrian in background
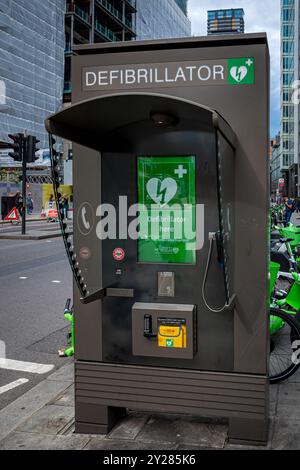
pixel 65 206
pixel 288 210
pixel 29 203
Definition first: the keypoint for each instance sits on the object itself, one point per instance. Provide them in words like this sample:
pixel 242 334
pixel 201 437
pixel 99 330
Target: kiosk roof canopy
pixel 90 122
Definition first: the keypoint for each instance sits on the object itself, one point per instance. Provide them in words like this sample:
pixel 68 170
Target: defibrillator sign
pixel 166 195
pixel 233 71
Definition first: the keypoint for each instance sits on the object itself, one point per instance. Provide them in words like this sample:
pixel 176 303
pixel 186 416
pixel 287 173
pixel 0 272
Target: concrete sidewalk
pixel 32 235
pixel 29 218
pixel 43 418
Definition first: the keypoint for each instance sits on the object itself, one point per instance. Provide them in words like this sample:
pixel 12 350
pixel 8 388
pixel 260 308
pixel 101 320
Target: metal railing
pixel 82 14
pixel 106 32
pixel 71 8
pixel 116 13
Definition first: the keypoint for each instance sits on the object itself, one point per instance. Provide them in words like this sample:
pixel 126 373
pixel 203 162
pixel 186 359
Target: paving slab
pixel 129 427
pixel 97 443
pixel 295 378
pixel 23 408
pixel 286 434
pixel 191 448
pixel 63 373
pixel 273 400
pixel 51 419
pixel 33 441
pixel 237 447
pixel 183 431
pixel 288 400
pixel 66 398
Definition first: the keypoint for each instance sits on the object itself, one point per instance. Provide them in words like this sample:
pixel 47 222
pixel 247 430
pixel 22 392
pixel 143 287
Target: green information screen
pixel 167 221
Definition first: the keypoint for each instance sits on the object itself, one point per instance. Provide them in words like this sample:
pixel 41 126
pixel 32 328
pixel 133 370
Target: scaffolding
pixel 31 69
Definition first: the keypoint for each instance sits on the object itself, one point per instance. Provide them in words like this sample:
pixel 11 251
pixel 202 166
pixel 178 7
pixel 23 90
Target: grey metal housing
pixel 228 126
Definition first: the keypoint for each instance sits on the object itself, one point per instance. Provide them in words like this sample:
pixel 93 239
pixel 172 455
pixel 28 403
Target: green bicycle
pixel 284 329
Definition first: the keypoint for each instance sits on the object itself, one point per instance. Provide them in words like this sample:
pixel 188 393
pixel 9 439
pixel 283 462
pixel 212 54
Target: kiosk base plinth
pixel 251 432
pixel 96 419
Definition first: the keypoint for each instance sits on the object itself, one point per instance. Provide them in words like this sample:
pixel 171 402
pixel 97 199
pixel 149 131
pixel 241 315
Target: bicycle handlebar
pixel 68 303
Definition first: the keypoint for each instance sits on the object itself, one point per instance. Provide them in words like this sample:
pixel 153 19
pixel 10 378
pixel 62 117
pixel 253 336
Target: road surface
pixel 35 280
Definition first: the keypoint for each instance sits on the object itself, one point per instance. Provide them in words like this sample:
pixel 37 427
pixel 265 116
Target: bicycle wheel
pixel 284 346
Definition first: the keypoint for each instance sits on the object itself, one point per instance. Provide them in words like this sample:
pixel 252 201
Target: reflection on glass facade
pixel 32 45
pixel 289 73
pixel 183 5
pixel 157 19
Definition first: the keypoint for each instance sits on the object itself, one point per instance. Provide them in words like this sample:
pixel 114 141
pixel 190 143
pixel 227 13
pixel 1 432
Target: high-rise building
pixel 289 162
pixel 158 20
pixel 183 5
pixel 229 21
pixel 31 67
pixel 277 185
pixel 93 21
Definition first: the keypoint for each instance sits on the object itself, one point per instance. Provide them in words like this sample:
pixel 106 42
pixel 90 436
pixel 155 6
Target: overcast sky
pixel 260 16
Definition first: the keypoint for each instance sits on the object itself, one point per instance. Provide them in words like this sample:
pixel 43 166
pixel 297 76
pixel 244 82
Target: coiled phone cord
pixel 212 237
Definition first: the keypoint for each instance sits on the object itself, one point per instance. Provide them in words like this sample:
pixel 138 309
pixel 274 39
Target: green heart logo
pixel 238 73
pixel 162 192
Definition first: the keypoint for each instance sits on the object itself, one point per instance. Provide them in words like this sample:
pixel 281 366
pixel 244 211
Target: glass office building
pixel 32 42
pixel 183 5
pixel 158 19
pixel 229 21
pixel 289 112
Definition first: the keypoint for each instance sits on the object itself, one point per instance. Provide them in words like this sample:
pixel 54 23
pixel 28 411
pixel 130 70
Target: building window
pixel 288 47
pixel 287 31
pixel 288 78
pixel 285 96
pixel 288 111
pixel 288 63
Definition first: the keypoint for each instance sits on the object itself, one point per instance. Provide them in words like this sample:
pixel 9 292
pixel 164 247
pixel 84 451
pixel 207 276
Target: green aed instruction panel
pixel 167 213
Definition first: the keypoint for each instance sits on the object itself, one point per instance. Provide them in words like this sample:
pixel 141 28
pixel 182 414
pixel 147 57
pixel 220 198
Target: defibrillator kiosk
pixel 169 252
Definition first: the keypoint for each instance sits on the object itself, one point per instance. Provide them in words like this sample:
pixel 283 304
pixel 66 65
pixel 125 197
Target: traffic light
pixel 17 146
pixel 32 141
